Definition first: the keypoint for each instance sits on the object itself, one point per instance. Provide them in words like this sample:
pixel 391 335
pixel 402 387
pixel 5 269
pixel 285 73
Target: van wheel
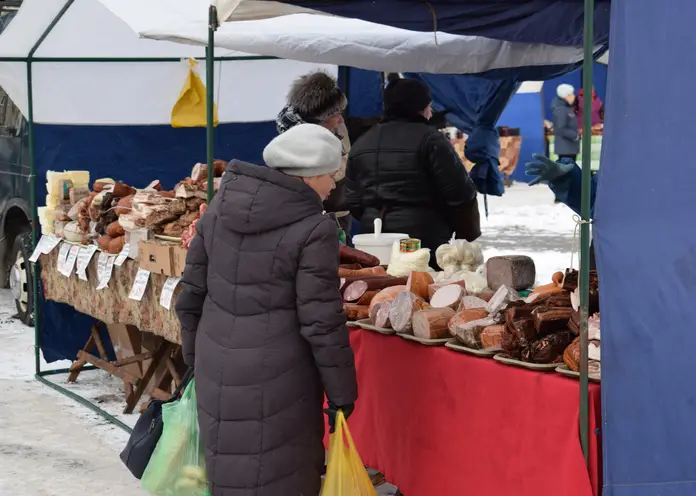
pixel 21 278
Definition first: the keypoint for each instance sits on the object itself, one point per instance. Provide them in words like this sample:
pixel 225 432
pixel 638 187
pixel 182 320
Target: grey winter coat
pixel 565 128
pixel 261 316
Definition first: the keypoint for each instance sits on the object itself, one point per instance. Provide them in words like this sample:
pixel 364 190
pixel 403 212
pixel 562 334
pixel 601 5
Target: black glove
pixel 332 411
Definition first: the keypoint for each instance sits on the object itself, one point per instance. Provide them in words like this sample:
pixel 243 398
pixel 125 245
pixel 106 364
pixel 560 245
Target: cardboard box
pixel 178 260
pixel 156 257
pixel 133 238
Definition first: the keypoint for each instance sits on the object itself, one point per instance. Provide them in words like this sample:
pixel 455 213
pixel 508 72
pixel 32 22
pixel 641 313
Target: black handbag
pixel 148 430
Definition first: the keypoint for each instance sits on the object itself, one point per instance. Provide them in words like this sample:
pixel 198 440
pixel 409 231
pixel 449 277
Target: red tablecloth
pixel 437 422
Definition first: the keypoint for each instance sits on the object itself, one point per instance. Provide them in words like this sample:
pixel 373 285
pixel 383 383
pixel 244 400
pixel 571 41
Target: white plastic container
pixel 378 244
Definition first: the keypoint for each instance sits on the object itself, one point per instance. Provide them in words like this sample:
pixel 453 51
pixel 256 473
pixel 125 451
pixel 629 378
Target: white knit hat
pixel 564 90
pixel 305 150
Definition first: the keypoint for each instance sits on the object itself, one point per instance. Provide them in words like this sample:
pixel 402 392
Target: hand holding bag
pixel 345 473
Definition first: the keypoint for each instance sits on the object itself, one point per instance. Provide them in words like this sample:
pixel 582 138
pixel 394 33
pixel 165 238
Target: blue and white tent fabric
pixel 102 102
pixel 497 41
pixel 357 33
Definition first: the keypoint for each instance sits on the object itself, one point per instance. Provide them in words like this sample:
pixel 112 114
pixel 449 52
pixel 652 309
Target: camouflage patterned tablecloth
pixel 111 305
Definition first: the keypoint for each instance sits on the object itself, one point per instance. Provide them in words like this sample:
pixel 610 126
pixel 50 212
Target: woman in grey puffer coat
pixel 262 319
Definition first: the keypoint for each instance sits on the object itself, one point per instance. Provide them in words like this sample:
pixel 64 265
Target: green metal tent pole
pixel 83 401
pixel 39 375
pixel 32 179
pixel 585 209
pixel 210 97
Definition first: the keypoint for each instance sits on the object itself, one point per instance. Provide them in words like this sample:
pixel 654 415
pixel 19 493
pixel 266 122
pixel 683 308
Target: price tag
pixel 101 265
pixel 62 255
pixel 40 247
pixel 50 243
pixel 123 255
pixel 70 260
pixel 83 259
pixel 168 291
pixel 106 274
pixel 140 284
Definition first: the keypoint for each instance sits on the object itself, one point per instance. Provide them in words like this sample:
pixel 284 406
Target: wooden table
pixel 145 335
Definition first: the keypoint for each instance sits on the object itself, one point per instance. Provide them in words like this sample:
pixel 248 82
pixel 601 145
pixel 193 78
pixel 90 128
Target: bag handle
pixel 182 385
pixel 342 427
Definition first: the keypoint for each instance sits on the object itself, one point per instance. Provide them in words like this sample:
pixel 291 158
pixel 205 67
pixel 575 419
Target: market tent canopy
pixel 92 69
pixel 344 41
pixel 555 22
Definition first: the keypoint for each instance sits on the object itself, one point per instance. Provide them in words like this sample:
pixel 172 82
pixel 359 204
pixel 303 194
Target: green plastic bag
pixel 177 466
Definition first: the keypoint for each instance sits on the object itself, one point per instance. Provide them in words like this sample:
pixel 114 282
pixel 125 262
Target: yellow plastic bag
pixel 189 109
pixel 345 473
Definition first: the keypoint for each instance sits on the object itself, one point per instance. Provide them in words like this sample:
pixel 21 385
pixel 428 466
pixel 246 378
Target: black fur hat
pixel 405 97
pixel 316 97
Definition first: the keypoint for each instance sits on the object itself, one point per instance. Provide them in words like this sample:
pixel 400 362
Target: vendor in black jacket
pixel 406 172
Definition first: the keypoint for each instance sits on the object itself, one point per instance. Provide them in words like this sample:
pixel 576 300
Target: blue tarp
pixel 554 22
pixel 646 251
pixel 473 105
pixel 135 155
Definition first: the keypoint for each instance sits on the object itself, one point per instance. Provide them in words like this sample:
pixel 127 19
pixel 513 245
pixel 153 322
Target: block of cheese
pixel 515 271
pixel 80 179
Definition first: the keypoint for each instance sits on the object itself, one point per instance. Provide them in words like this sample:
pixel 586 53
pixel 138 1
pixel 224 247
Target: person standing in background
pixel 406 172
pixel 565 123
pixel 315 98
pixel 597 109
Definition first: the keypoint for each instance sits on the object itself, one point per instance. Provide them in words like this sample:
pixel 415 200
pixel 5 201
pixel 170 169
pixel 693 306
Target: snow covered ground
pixel 526 221
pixel 52 446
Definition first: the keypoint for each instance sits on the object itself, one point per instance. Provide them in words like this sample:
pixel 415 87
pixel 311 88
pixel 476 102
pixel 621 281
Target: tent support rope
pixel 585 210
pixel 39 374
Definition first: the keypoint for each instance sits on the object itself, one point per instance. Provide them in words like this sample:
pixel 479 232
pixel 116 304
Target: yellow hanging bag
pixel 345 473
pixel 189 109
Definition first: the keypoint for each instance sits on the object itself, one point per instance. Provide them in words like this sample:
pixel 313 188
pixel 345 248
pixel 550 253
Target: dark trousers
pixel 572 157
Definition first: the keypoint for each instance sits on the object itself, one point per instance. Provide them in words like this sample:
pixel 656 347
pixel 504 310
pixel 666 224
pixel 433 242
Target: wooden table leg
pixel 157 365
pixel 78 364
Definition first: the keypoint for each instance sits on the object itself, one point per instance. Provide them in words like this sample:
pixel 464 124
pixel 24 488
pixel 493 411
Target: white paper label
pixel 123 255
pixel 83 259
pixel 40 247
pixel 101 265
pixel 168 291
pixel 106 274
pixel 62 255
pixel 70 260
pixel 51 242
pixel 140 284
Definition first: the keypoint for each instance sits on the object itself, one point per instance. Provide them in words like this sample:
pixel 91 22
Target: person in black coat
pixel 406 172
pixel 565 123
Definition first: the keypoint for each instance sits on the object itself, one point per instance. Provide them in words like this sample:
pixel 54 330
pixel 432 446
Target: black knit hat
pixel 405 97
pixel 316 96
